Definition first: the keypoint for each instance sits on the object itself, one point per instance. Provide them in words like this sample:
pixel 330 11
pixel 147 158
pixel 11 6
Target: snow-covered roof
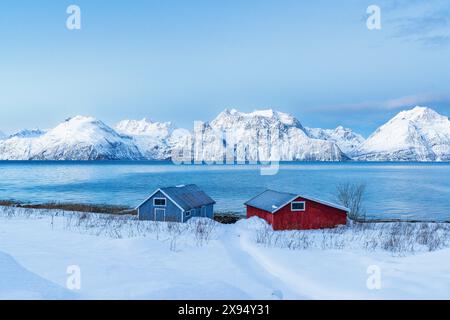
pixel 272 201
pixel 186 197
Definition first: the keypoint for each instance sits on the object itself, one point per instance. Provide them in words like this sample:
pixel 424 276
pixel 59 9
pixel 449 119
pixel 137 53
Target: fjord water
pixel 394 190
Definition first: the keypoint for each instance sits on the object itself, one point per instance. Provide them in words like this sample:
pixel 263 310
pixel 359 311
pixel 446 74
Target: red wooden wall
pixel 316 216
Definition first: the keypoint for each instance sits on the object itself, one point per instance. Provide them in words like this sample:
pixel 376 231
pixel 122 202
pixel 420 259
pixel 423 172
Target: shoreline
pixel 75 207
pixel 192 163
pixel 222 217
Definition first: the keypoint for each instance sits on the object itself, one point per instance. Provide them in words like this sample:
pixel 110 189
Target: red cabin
pixel 287 211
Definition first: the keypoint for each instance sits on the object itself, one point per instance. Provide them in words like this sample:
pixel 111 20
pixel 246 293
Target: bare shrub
pixel 264 235
pixel 202 230
pixel 293 240
pixel 398 238
pixel 302 241
pixel 351 196
pixel 9 212
pixel 174 231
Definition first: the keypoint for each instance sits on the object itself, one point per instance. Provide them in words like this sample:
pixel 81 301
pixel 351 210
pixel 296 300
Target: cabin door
pixel 160 214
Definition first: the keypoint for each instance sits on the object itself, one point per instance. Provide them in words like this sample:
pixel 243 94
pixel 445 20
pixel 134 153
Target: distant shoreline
pixel 75 207
pixel 222 217
pixel 170 162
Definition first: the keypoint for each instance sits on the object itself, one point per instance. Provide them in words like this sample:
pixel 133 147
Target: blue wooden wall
pixel 172 211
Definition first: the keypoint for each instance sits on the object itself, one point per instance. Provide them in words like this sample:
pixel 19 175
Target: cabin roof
pixel 185 197
pixel 272 201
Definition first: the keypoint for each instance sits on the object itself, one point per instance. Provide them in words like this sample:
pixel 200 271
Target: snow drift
pixel 18 283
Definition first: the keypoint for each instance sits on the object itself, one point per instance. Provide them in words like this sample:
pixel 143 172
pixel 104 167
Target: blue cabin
pixel 176 204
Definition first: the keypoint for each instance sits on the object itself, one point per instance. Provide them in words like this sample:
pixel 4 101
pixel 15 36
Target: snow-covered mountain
pixel 2 135
pixel 263 135
pixel 33 133
pixel 19 145
pixel 151 138
pixel 144 127
pixel 419 134
pixel 347 140
pixel 78 138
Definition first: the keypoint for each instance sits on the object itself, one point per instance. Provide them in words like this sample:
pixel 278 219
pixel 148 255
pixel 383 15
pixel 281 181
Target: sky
pixel 183 61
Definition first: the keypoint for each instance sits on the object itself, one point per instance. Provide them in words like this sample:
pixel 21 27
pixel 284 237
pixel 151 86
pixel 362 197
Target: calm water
pixel 393 189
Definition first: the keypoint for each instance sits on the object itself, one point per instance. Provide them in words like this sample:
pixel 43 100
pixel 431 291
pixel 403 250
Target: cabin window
pixel 159 202
pixel 298 206
pixel 188 213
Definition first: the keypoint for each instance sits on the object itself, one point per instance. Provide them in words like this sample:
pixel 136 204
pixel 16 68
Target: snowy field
pixel 121 258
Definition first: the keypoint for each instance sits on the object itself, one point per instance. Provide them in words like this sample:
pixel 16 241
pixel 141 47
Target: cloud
pixel 425 22
pixel 400 4
pixel 422 25
pixel 435 41
pixel 391 104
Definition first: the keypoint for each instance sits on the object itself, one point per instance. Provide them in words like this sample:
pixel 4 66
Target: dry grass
pixel 398 238
pixel 199 231
pixel 74 207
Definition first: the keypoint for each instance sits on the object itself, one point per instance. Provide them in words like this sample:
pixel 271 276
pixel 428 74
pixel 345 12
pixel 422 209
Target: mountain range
pixel 419 134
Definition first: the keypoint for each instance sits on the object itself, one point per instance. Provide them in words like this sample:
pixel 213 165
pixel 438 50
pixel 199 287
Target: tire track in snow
pixel 234 242
pixel 301 286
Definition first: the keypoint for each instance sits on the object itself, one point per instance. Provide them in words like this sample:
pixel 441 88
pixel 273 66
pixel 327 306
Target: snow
pixel 18 283
pixel 145 127
pixel 419 134
pixel 28 133
pixel 225 118
pixel 153 139
pixel 270 135
pixel 121 258
pixel 262 135
pixel 77 138
pixel 347 140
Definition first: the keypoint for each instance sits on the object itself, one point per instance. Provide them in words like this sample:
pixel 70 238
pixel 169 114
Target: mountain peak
pixel 230 111
pixel 265 113
pixel 292 140
pixel 419 113
pixel 230 115
pixel 144 127
pixel 33 133
pixel 77 138
pixel 80 118
pixel 347 140
pixel 418 134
